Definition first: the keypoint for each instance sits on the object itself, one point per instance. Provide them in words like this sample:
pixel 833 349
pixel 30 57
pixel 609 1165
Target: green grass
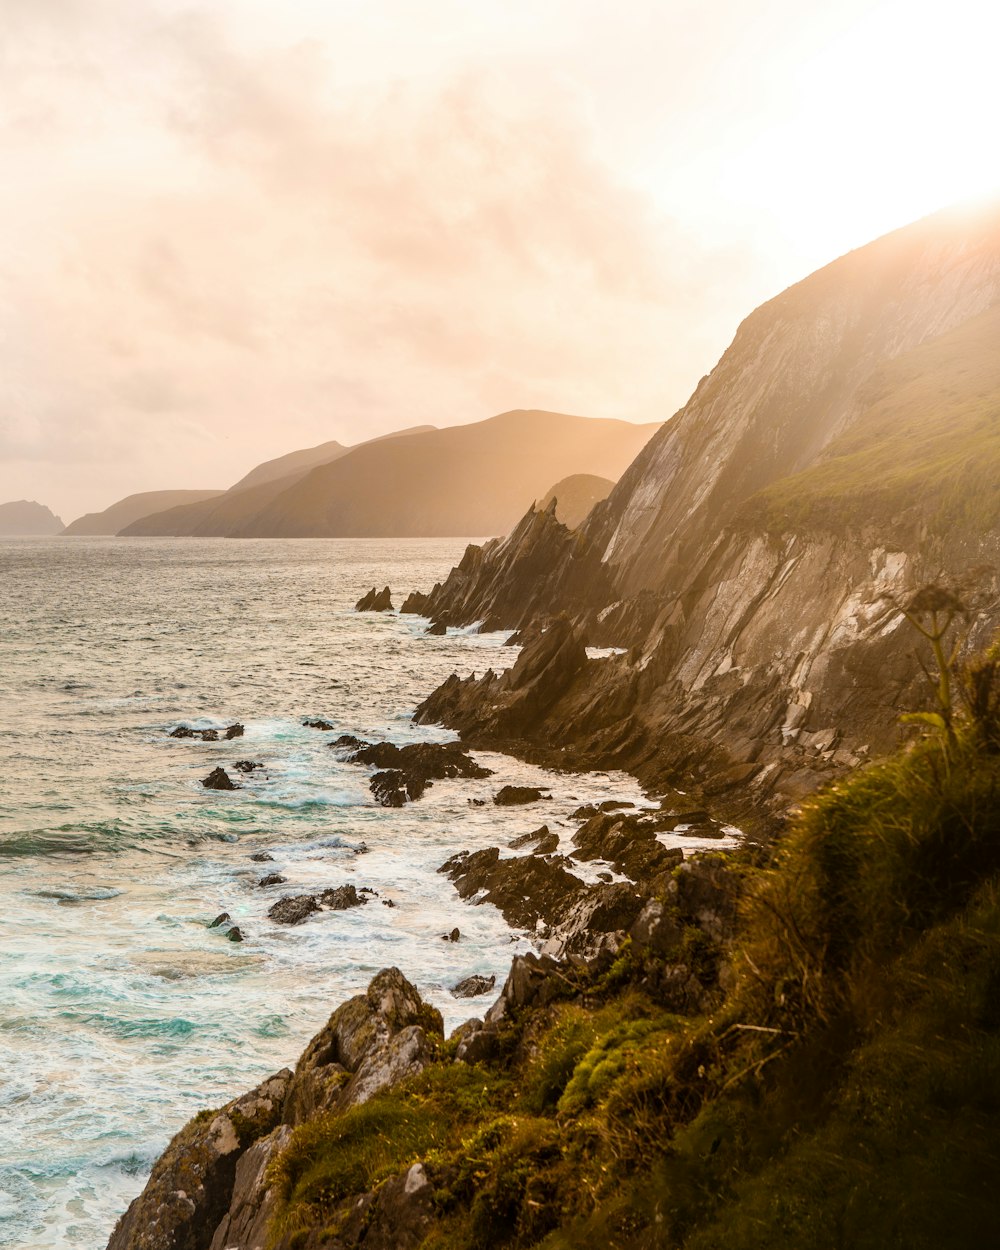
pixel 929 440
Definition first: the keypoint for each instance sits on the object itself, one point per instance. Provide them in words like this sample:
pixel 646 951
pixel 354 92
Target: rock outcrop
pixel 406 772
pixel 375 601
pixel 751 561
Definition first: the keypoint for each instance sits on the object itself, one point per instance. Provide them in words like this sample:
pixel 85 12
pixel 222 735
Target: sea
pixel 122 1012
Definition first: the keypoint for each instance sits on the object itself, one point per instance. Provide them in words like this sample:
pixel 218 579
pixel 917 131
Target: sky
pixel 232 228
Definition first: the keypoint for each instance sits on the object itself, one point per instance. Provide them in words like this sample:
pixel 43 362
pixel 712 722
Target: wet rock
pixel 262 857
pixel 233 731
pixel 318 724
pixel 203 735
pixel 387 902
pixel 247 766
pixel 477 802
pixel 406 772
pixel 370 1042
pixel 348 742
pixel 375 601
pixel 272 878
pixel 220 920
pixel 453 936
pixel 472 987
pixel 513 796
pixel 219 779
pixel 190 1191
pixel 235 934
pixel 342 897
pixel 526 889
pixel 294 909
pixel 437 629
pixel 526 839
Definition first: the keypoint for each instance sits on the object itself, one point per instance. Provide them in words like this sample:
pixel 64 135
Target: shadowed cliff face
pixel 846 448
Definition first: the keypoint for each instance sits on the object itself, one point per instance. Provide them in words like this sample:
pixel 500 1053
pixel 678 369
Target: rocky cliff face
pixel 844 449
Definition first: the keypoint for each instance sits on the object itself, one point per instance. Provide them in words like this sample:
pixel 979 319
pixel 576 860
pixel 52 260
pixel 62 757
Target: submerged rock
pixel 272 878
pixel 375 601
pixel 219 779
pixel 247 766
pixel 318 724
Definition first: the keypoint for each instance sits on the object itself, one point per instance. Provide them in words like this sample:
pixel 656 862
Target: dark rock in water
pixel 221 919
pixel 415 603
pixel 477 802
pixel 453 936
pixel 387 902
pixel 348 742
pixel 393 788
pixel 272 878
pixel 366 889
pixel 247 766
pixel 262 857
pixel 233 731
pixel 526 839
pixel 342 897
pixel 526 889
pixel 472 987
pixel 203 735
pixel 318 724
pixel 192 1184
pixel 547 845
pixel 235 934
pixel 437 628
pixel 375 601
pixel 299 907
pixel 294 909
pixel 219 779
pixel 512 796
pixel 405 772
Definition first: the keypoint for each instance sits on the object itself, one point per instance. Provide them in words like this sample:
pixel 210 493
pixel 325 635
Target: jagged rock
pixel 369 1043
pixel 415 603
pixel 318 724
pixel 472 987
pixel 247 766
pixel 253 1201
pixel 220 920
pixel 514 796
pixel 453 936
pixel 262 857
pixel 272 878
pixel 526 889
pixel 190 1190
pixel 630 843
pixel 407 771
pixel 547 845
pixel 597 922
pixel 219 779
pixel 437 629
pixel 204 735
pixel 526 839
pixel 294 909
pixel 375 601
pixel 299 907
pixel 233 731
pixel 513 704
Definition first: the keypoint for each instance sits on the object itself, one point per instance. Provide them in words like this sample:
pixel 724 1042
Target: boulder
pixel 272 878
pixel 370 1042
pixel 472 987
pixel 191 1187
pixel 219 779
pixel 631 844
pixel 514 796
pixel 342 897
pixel 375 601
pixel 595 923
pixel 532 980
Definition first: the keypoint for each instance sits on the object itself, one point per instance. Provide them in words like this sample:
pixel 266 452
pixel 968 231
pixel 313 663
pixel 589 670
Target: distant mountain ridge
pixel 134 508
pixel 26 518
pixel 461 480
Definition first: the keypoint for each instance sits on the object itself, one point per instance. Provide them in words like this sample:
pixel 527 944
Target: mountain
pixel 24 517
pixel 575 496
pixel 134 508
pixel 231 512
pixel 467 479
pixel 844 451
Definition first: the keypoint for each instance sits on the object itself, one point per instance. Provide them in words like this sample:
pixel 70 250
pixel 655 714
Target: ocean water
pixel 121 1013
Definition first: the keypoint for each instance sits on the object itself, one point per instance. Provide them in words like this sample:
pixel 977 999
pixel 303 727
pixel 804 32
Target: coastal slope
pixel 752 561
pixel 133 508
pixel 24 517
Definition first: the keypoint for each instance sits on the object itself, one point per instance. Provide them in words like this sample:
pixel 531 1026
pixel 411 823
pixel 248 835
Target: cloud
pixel 225 254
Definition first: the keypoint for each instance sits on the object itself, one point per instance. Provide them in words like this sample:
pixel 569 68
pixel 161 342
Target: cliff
pixel 463 480
pixel 844 450
pixel 133 508
pixel 24 517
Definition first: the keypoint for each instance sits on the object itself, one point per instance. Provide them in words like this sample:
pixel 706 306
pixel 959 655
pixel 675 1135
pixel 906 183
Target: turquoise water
pixel 121 1013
